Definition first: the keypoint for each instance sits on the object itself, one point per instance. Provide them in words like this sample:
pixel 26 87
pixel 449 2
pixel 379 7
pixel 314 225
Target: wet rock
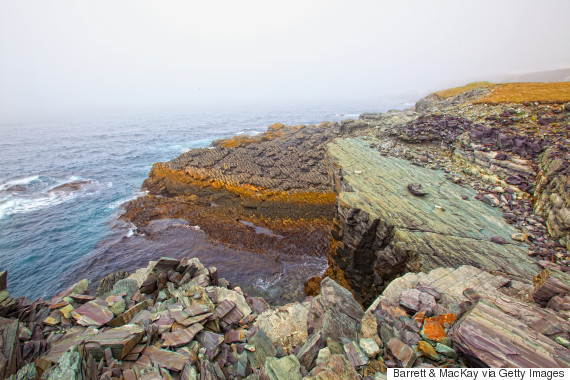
pixel 3 279
pixel 281 369
pixel 106 284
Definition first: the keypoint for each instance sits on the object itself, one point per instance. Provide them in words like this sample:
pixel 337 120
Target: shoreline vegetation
pixel 446 229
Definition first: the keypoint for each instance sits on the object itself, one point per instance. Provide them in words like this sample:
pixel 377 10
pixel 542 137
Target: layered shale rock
pixel 382 230
pixel 267 193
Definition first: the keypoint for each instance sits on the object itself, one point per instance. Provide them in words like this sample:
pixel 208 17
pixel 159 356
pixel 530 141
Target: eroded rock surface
pixel 382 230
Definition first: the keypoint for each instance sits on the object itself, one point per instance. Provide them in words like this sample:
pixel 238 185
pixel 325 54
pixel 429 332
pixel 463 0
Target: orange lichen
pixel 553 92
pixel 444 94
pixel 433 331
pixel 443 319
pixel 273 131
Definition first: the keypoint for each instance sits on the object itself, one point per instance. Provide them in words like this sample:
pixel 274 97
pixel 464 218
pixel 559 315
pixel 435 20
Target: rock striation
pixel 382 230
pixel 194 325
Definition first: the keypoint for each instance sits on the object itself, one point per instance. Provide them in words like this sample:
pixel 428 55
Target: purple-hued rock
pixel 497 240
pixel 416 300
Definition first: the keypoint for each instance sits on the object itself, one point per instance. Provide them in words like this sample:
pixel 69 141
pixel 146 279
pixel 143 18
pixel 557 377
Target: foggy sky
pixel 64 55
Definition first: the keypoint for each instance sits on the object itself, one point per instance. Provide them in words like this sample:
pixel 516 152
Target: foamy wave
pixel 249 132
pixel 19 181
pixel 24 205
pixel 349 115
pixel 45 192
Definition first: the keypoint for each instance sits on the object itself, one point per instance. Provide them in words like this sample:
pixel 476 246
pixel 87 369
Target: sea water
pixel 63 181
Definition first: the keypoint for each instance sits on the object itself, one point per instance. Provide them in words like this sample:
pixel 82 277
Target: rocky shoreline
pixel 446 229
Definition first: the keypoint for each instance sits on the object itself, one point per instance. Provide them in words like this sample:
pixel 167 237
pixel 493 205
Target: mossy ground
pixel 544 93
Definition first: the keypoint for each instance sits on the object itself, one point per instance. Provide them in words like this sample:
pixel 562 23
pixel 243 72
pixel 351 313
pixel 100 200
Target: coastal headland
pixel 446 229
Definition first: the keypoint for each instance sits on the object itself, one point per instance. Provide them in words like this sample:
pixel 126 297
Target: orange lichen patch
pixel 554 92
pixel 444 94
pixel 428 350
pixel 273 131
pixel 433 331
pixel 443 319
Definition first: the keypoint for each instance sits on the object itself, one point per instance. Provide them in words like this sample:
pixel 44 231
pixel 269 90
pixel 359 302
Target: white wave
pixel 19 181
pixel 249 132
pixel 13 206
pixel 44 197
pixel 131 231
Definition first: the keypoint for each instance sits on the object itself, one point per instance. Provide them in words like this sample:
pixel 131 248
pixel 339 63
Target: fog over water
pixel 72 55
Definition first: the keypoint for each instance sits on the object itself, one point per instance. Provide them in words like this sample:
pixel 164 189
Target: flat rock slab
pixel 93 313
pixel 488 335
pixel 181 337
pixel 385 229
pixel 121 340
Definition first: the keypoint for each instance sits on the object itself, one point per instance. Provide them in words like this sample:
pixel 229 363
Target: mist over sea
pixel 63 180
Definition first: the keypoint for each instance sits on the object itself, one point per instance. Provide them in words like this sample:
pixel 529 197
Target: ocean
pixel 63 181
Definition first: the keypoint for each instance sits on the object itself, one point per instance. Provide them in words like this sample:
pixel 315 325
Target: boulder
pixel 120 340
pixel 259 349
pixel 335 312
pixel 286 326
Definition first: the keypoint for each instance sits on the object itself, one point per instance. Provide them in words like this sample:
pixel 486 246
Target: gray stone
pixel 282 369
pixel 262 349
pixel 370 347
pixel 126 285
pixel 68 367
pixel 446 351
